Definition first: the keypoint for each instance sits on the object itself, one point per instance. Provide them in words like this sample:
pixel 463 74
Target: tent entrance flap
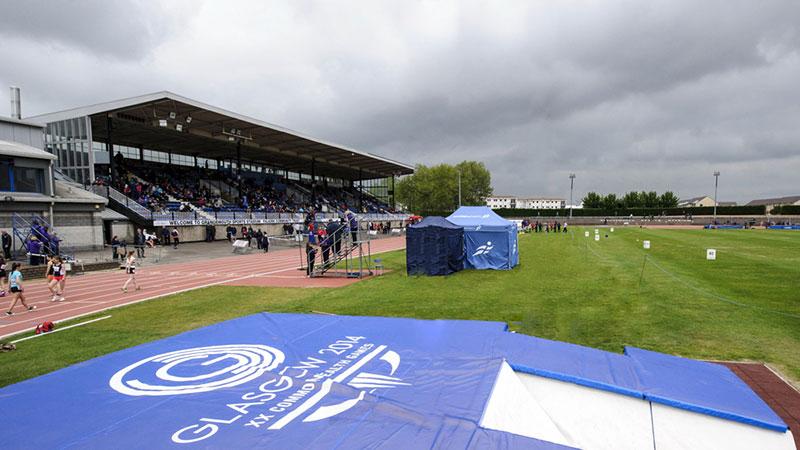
pixel 490 241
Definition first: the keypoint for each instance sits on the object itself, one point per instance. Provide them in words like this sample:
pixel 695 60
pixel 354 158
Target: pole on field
pixel 571 185
pixel 641 275
pixel 716 184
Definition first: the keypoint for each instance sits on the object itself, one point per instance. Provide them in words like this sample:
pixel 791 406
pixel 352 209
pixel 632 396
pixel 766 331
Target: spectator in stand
pixel 34 251
pixel 55 244
pixel 352 222
pixel 115 245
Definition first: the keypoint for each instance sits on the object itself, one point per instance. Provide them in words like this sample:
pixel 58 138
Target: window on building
pixel 5 175
pixel 155 156
pixel 28 179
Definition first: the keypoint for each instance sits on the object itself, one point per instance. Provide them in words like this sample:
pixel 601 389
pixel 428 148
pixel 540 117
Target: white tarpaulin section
pixel 588 418
pixel 592 418
pixel 681 429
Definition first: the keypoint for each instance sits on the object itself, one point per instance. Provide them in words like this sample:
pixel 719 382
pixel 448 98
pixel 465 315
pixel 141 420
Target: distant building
pixel 512 202
pixel 501 201
pixel 778 201
pixel 696 202
pixel 31 188
pixel 726 204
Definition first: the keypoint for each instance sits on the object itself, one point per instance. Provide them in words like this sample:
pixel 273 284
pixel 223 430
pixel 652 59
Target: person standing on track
pixel 311 250
pixel 130 269
pixel 265 242
pixel 6 238
pixel 165 237
pixel 15 282
pixel 56 284
pixel 175 238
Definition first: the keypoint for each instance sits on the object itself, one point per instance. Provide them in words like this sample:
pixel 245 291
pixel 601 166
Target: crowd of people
pixel 553 226
pixel 152 186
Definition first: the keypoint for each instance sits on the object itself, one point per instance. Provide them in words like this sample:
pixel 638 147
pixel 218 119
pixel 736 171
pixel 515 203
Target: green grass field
pixel 743 306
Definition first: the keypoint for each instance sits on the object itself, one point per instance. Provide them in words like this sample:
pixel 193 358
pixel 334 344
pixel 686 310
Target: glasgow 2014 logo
pixel 245 362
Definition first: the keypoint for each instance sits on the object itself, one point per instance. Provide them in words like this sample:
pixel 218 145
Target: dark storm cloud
pixel 114 29
pixel 627 94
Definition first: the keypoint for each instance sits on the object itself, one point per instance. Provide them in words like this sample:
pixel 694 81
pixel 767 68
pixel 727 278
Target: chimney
pixel 16 106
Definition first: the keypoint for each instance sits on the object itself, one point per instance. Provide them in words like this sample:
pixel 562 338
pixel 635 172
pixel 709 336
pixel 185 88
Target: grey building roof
pixel 21 122
pixel 693 199
pixel 775 201
pixel 18 150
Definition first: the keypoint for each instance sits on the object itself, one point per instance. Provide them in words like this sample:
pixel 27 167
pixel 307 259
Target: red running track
pixel 97 291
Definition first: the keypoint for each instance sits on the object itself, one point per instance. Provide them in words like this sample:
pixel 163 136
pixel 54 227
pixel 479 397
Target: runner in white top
pixel 130 269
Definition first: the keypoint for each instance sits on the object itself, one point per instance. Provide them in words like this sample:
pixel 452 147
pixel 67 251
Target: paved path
pixel 96 291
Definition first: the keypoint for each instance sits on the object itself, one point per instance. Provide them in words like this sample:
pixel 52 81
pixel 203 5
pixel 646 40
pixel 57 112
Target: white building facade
pixel 511 202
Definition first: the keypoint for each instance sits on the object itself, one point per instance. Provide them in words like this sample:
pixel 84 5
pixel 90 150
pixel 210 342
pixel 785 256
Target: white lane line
pixel 62 329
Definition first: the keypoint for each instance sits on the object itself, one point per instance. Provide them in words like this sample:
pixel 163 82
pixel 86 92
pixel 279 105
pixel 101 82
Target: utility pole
pixel 459 188
pixel 571 185
pixel 716 184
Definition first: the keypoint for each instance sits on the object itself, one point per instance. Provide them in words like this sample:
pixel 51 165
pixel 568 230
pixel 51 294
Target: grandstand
pixel 165 160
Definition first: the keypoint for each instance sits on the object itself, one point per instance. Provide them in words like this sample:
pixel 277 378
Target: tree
pixel 632 200
pixel 668 200
pixel 610 202
pixel 650 199
pixel 435 189
pixel 592 200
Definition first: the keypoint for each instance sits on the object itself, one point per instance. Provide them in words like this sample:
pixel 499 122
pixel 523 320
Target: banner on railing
pixel 193 222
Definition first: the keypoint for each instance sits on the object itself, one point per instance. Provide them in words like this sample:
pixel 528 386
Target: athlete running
pixel 49 275
pixel 130 269
pixel 58 280
pixel 3 277
pixel 15 282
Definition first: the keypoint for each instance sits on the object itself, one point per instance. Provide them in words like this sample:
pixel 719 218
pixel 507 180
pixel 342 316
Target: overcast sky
pixel 629 95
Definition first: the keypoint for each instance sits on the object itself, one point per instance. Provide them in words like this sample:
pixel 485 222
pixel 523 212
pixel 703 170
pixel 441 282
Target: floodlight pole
pixel 716 184
pixel 459 188
pixel 571 185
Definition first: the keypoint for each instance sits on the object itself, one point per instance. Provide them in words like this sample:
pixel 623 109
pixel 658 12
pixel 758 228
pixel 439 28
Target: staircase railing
pixel 123 200
pixel 346 254
pixel 23 229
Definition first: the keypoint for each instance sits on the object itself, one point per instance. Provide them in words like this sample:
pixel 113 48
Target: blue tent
pixel 490 242
pixel 434 247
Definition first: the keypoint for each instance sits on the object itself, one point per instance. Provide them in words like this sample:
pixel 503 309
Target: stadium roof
pixel 152 120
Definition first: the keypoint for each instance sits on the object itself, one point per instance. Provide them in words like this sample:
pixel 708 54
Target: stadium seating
pixel 171 188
